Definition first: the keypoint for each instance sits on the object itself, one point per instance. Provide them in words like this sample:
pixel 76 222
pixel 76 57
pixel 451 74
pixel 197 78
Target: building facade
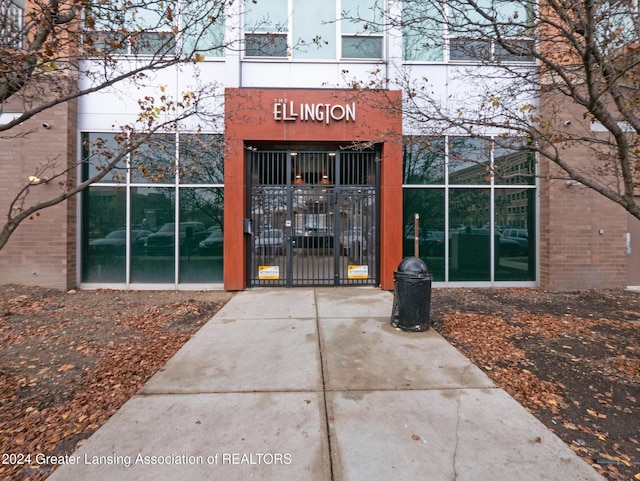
pixel 307 173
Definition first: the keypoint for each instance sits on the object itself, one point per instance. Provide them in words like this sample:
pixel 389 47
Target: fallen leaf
pixel 66 367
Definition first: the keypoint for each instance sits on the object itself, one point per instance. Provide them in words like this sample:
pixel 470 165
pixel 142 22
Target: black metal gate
pixel 314 217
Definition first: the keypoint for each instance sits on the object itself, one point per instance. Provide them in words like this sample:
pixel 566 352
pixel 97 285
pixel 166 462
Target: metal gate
pixel 314 217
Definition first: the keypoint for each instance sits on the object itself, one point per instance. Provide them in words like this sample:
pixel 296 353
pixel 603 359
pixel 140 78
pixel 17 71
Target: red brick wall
pixel 582 235
pixel 42 250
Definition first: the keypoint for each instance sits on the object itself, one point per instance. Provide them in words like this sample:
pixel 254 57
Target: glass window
pixel 424 160
pixel 511 165
pixel 266 28
pixel 314 29
pixel 469 161
pixel 472 30
pixel 201 212
pixel 143 28
pixel 361 29
pixel 429 204
pixel 422 31
pixel 201 159
pixel 154 161
pixel 470 234
pixel 359 46
pixel 98 150
pixel 265 45
pixel 104 234
pixel 154 209
pixel 515 223
pixel 203 28
pixel 11 23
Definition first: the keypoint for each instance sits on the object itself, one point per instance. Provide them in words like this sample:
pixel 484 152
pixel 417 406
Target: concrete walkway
pixel 315 384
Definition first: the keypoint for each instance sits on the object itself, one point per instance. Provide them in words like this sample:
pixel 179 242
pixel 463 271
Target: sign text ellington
pixel 288 110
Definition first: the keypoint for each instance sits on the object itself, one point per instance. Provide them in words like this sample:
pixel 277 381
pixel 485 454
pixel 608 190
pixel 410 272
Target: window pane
pixel 154 161
pixel 201 212
pixel 203 28
pixel 469 161
pixel 429 204
pixel 98 149
pixel 314 29
pixel 462 48
pixel 360 16
pixel 424 160
pixel 513 166
pixel 266 16
pixel 265 45
pixel 154 209
pixel 103 234
pixel 361 47
pixel 522 51
pixel 515 253
pixel 153 43
pixel 422 32
pixel 201 159
pixel 469 214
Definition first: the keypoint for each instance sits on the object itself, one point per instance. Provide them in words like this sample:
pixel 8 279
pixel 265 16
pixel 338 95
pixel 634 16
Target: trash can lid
pixel 412 265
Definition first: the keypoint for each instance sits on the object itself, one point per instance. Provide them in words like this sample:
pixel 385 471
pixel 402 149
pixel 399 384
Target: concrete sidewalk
pixel 315 384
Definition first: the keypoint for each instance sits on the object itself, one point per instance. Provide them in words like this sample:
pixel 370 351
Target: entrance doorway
pixel 314 216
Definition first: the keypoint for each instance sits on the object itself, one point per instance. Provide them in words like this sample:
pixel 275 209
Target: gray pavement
pixel 315 384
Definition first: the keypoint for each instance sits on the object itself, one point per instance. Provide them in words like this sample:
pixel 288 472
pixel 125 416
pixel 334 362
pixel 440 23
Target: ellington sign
pixel 288 110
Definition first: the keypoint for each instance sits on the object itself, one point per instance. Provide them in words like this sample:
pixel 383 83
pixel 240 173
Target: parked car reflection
pixel 163 241
pixel 214 242
pixel 115 242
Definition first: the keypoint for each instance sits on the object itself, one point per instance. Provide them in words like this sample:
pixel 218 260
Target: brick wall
pixel 582 235
pixel 42 249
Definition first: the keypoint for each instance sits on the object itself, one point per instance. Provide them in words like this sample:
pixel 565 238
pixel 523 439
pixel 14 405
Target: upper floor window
pixel 11 23
pixel 318 29
pixel 362 29
pixel 266 26
pixel 463 31
pixel 154 27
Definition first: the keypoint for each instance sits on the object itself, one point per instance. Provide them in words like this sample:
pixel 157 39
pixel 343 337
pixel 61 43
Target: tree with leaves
pixel 54 52
pixel 562 75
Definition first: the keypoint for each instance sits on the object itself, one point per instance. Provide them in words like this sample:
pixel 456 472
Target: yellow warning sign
pixel 268 272
pixel 358 272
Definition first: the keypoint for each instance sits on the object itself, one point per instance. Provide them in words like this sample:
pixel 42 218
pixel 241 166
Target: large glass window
pixel 469 161
pixel 429 205
pixel 201 250
pixel 362 29
pixel 159 224
pixel 475 27
pixel 104 234
pixel 422 31
pixel 314 29
pixel 153 209
pixel 477 223
pixel 465 31
pixel 154 28
pixel 424 160
pixel 266 27
pixel 11 23
pixel 515 218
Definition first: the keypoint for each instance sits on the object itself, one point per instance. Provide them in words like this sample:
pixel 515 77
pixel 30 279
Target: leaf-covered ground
pixel 69 361
pixel 572 359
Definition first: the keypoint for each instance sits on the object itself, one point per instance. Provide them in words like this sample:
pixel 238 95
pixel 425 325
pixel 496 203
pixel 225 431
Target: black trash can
pixel 412 296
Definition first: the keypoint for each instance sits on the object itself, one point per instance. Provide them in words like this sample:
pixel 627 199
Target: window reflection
pixel 104 235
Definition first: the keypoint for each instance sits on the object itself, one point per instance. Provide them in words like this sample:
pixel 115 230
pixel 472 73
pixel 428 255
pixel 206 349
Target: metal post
pixel 416 229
